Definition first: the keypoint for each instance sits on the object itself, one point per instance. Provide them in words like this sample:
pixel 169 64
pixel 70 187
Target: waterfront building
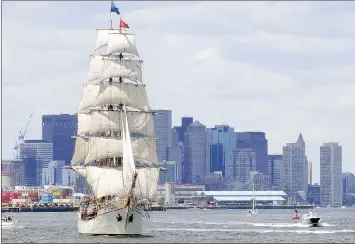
pixel 238 198
pixel 313 195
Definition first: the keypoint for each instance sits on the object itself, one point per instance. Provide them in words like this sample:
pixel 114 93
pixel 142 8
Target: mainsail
pixel 115 133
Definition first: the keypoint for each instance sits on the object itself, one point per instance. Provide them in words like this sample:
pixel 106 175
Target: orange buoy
pixel 295 217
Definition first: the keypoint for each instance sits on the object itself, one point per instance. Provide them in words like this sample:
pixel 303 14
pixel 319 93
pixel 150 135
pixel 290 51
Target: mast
pixel 253 196
pixel 115 130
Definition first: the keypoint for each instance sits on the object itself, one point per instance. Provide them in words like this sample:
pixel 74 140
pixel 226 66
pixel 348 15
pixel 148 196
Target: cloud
pixel 278 67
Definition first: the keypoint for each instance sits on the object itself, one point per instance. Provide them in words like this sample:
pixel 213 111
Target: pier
pixel 263 207
pixel 153 208
pixel 41 209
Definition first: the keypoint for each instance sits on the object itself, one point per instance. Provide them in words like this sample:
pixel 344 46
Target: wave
pixel 312 231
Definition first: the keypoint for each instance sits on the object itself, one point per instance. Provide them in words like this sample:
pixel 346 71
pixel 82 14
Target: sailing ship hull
pixel 113 223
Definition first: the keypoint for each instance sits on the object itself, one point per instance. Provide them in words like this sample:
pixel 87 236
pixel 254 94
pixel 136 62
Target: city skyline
pixel 304 84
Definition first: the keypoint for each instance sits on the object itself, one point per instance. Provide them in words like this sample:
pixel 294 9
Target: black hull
pixel 315 222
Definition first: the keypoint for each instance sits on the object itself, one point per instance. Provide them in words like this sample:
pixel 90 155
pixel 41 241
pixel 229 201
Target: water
pixel 194 225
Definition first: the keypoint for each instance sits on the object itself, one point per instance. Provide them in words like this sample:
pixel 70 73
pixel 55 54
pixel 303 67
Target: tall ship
pixel 115 147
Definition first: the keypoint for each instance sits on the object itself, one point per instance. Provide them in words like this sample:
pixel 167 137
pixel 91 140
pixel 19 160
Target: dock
pixel 153 208
pixel 263 207
pixel 40 209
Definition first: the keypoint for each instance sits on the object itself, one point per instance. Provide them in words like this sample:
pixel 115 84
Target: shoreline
pixel 155 208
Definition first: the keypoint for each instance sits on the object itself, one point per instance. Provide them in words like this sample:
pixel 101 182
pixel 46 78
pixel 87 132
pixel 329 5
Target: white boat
pixel 8 221
pixel 311 219
pixel 115 148
pixel 253 211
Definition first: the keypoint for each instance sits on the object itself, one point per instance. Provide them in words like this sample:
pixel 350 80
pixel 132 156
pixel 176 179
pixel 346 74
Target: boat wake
pixel 12 226
pixel 287 225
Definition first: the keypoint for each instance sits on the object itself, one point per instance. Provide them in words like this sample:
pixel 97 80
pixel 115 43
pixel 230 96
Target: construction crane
pixel 21 137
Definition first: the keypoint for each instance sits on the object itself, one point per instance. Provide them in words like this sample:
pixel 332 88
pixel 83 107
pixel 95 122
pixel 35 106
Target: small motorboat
pixel 311 219
pixel 8 221
pixel 296 214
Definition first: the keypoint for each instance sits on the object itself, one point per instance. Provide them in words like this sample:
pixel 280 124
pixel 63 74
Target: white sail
pixel 103 121
pixel 116 93
pixel 147 183
pixel 89 96
pixel 114 139
pixel 81 150
pixel 144 149
pixel 129 146
pixel 102 37
pixel 128 163
pixel 104 181
pixel 95 68
pixel 132 95
pixel 121 43
pixel 103 68
pixel 129 69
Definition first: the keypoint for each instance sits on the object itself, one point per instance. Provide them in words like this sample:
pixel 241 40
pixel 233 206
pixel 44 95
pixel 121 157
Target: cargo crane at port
pixel 21 138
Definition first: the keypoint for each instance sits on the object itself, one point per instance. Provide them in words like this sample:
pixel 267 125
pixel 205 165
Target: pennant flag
pixel 114 8
pixel 123 24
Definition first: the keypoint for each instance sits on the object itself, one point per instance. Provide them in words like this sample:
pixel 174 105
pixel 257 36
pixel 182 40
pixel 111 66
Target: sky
pixel 278 67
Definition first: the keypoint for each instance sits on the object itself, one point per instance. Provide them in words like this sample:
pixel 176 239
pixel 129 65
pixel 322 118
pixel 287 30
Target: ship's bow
pixel 119 222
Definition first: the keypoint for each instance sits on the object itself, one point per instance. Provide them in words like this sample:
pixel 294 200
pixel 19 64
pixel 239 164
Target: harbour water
pixel 194 225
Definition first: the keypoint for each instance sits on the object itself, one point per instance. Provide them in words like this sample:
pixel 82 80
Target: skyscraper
pixel 331 174
pixel 258 142
pixel 310 173
pixel 176 154
pixel 225 137
pixel 243 162
pixel 348 188
pixel 185 122
pixel 295 167
pixel 348 183
pixel 197 155
pixel 276 168
pixel 163 132
pixel 59 129
pixel 35 154
pixel 217 157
